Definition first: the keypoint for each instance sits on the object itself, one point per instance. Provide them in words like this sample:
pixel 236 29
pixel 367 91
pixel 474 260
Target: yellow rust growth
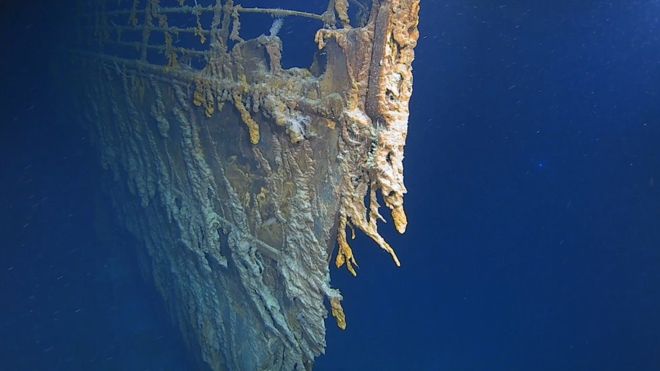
pixel 400 219
pixel 252 125
pixel 262 196
pixel 198 96
pixel 345 253
pixel 203 97
pixel 341 7
pixel 209 106
pixel 338 313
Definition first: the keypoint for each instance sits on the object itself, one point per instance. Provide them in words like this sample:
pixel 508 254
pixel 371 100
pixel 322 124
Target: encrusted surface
pixel 239 175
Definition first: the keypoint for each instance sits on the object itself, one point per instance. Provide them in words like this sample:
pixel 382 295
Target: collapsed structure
pixel 240 176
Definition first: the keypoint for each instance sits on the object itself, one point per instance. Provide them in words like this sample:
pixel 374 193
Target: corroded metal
pixel 240 176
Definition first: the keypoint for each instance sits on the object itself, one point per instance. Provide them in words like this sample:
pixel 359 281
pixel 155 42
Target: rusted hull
pixel 239 177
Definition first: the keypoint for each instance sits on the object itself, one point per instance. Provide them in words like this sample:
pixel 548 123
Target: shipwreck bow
pixel 239 176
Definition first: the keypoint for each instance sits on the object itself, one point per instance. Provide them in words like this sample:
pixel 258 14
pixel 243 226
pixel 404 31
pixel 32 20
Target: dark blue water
pixel 69 298
pixel 532 164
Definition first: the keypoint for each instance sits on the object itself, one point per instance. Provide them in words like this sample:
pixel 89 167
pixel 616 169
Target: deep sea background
pixel 533 171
